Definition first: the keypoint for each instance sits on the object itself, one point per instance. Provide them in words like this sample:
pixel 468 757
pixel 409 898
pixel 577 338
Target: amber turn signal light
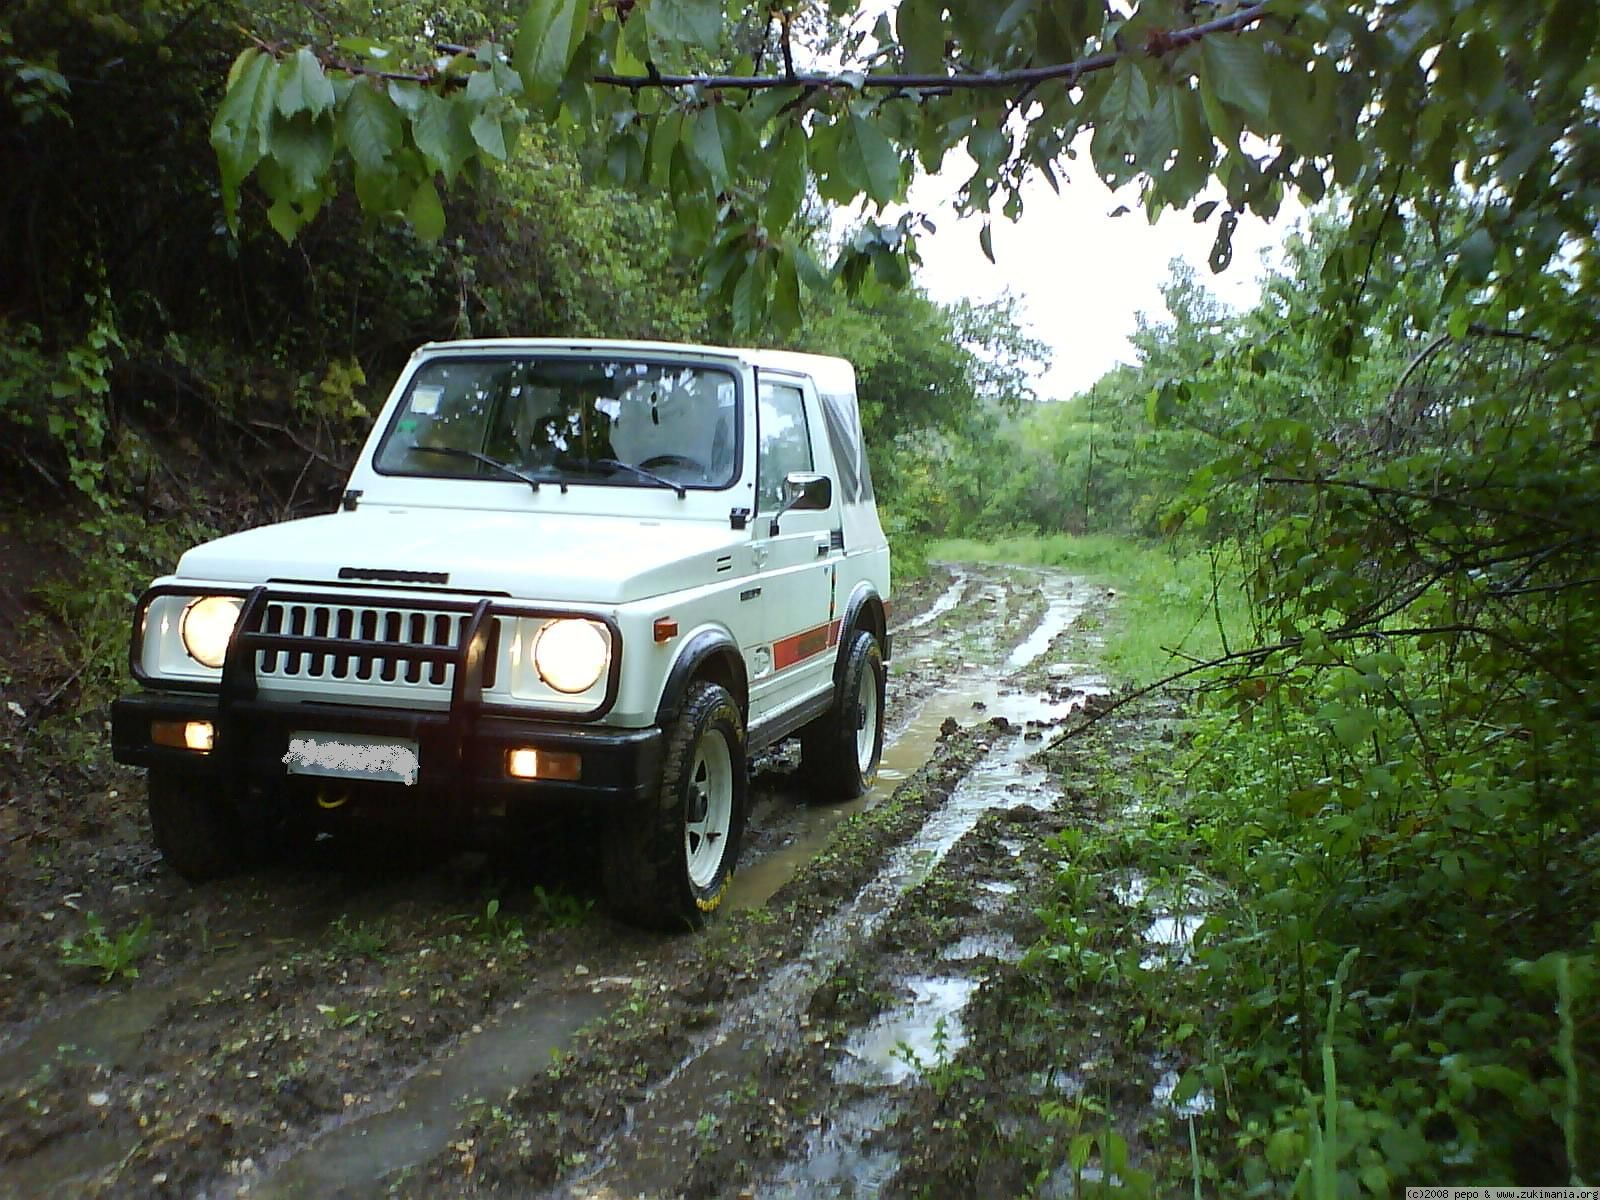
pixel 529 762
pixel 199 736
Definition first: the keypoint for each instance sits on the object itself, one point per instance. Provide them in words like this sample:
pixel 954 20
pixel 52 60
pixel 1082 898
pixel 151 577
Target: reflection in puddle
pixel 905 1041
pixel 836 1163
pixel 1173 919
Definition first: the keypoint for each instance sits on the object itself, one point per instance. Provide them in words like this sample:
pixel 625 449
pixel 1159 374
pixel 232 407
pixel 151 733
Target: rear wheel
pixel 196 829
pixel 841 749
pixel 670 866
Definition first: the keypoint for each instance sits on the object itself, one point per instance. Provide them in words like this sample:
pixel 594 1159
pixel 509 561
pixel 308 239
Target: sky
pixel 1081 274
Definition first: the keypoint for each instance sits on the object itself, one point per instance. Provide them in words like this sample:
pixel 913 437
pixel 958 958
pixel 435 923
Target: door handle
pixel 759 554
pixel 823 546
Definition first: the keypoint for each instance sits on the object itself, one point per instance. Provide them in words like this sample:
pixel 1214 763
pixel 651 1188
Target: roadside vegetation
pixel 1370 584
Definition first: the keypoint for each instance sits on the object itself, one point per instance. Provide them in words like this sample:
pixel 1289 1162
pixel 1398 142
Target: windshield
pixel 607 422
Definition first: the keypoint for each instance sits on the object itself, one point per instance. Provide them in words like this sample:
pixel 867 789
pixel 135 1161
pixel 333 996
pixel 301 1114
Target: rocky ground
pixel 875 1016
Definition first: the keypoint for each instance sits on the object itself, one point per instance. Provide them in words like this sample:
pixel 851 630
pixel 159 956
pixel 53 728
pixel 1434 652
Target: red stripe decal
pixel 786 652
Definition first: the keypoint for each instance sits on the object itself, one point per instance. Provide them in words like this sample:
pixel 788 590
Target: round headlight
pixel 570 655
pixel 206 627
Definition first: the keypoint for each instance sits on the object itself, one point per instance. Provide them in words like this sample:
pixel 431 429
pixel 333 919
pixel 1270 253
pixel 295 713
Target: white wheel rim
pixel 867 715
pixel 708 810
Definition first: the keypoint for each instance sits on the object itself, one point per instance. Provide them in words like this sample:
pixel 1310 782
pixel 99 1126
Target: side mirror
pixel 803 491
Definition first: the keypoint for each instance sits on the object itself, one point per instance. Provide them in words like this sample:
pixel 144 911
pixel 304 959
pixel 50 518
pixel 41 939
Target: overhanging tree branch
pixel 1155 47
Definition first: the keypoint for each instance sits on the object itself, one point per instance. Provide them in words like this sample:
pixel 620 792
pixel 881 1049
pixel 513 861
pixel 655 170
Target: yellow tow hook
pixel 324 802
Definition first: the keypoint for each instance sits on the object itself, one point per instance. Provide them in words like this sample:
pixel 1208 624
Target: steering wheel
pixel 680 461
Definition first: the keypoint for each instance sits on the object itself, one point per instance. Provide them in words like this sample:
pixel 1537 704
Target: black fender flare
pixel 863 611
pixel 710 654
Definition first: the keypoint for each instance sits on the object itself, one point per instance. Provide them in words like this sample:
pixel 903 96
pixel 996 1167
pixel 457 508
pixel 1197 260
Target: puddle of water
pixel 836 1162
pixel 354 1155
pixel 754 885
pixel 1161 1097
pixel 111 1030
pixel 983 945
pixel 921 1034
pixel 1064 605
pixel 947 600
pixel 66 1167
pixel 1171 929
pixel 1062 1184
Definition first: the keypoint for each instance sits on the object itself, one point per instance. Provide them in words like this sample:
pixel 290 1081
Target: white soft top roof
pixel 834 376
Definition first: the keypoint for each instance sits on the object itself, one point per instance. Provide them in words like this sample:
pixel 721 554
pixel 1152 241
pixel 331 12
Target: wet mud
pixel 367 1024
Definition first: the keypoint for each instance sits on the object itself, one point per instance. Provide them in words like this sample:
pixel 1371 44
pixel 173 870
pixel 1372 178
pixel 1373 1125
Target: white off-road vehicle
pixel 569 579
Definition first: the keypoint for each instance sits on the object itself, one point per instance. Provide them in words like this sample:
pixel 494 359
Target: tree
pixel 729 112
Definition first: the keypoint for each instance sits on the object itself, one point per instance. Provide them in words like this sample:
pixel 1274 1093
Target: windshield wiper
pixel 503 468
pixel 638 472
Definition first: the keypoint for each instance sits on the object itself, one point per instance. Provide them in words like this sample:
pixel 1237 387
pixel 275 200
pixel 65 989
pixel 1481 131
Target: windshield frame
pixel 730 368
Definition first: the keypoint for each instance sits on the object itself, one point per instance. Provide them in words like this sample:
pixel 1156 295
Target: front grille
pixel 313 620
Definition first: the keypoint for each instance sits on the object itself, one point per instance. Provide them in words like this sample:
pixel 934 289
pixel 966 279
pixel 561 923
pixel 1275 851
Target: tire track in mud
pixel 252 1073
pixel 674 1131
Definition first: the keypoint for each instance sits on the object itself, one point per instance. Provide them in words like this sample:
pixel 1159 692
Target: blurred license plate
pixel 352 756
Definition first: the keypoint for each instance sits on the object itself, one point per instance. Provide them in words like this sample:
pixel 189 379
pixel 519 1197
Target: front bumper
pixel 465 760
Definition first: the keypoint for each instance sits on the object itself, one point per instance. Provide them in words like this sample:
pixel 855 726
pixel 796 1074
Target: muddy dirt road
pixel 381 1020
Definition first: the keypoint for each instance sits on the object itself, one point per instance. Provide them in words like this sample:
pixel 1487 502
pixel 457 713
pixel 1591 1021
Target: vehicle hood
pixel 561 559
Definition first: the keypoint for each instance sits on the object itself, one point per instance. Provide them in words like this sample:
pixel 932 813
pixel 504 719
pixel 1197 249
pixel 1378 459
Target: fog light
pixel 198 736
pixel 527 762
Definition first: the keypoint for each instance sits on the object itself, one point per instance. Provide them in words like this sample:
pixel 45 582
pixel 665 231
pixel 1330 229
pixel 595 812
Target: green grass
pixel 1171 607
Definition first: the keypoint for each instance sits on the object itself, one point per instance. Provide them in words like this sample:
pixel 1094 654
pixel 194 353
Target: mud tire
pixel 840 751
pixel 198 832
pixel 670 865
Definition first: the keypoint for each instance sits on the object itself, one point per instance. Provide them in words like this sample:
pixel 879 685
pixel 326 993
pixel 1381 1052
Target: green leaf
pixel 665 134
pixel 986 241
pixel 869 159
pixel 370 126
pixel 490 135
pixel 919 25
pixel 1221 122
pixel 425 212
pixel 302 87
pixel 692 22
pixel 304 149
pixel 625 159
pixel 1012 17
pixel 690 204
pixel 241 129
pixel 442 130
pixel 1477 255
pixel 717 140
pixel 547 41
pixel 786 294
pixel 810 271
pixel 1236 67
pixel 786 189
pixel 989 146
pixel 1159 133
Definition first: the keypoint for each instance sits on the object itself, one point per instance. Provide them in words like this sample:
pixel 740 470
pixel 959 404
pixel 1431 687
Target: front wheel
pixel 840 750
pixel 196 829
pixel 670 866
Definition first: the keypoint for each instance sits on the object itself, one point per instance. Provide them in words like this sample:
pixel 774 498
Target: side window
pixel 785 442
